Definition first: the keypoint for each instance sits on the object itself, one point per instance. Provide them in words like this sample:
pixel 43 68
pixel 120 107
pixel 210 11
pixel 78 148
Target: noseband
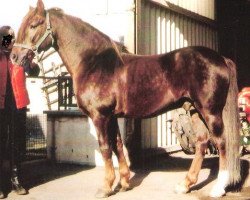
pixel 36 46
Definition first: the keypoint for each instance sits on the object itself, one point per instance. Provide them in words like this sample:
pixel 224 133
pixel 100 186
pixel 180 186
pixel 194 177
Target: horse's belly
pixel 147 103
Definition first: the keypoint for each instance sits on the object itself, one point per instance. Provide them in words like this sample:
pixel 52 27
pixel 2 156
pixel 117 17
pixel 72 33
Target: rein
pixel 36 46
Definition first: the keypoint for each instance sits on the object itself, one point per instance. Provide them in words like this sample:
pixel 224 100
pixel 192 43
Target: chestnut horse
pixel 109 83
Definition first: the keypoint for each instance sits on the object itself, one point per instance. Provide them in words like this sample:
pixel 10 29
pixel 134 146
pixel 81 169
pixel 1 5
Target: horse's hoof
pixel 124 189
pixel 120 188
pixel 101 193
pixel 181 188
pixel 217 192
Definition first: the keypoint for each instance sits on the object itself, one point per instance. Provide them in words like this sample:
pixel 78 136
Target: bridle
pixel 36 46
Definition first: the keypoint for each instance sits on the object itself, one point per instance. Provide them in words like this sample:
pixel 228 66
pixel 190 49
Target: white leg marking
pixel 218 189
pixel 181 188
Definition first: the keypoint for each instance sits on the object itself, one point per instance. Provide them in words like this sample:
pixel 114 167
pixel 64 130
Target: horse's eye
pixel 32 26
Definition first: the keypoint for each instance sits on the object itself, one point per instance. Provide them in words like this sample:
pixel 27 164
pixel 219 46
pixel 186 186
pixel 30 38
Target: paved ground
pixel 154 181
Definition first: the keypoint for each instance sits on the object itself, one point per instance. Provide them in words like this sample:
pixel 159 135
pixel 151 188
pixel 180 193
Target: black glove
pixel 32 69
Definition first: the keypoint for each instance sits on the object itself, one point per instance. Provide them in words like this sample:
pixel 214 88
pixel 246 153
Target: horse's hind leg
pixel 119 149
pixel 215 124
pixel 200 148
pixel 102 124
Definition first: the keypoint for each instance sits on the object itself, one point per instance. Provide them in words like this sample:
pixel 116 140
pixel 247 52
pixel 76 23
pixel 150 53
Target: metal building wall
pixel 163 27
pixel 205 8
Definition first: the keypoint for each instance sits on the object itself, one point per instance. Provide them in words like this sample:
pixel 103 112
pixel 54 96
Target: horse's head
pixel 33 35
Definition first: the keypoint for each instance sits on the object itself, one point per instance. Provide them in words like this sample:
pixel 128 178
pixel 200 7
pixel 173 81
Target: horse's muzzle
pixel 20 57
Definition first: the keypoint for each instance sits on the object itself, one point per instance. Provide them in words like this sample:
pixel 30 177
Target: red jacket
pixel 18 82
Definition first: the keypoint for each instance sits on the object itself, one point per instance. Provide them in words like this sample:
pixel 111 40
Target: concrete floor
pixel 155 180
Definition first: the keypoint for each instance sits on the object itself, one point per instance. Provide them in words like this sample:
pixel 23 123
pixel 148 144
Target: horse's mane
pixel 121 47
pixel 56 10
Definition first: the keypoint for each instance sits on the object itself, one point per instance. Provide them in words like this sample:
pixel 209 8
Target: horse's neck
pixel 74 47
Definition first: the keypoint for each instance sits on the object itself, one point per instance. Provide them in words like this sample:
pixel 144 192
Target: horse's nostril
pixel 13 57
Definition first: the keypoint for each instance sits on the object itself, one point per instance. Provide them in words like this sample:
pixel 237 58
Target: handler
pixel 13 107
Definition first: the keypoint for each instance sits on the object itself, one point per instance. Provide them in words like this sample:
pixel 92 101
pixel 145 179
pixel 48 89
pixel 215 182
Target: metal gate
pixel 36 131
pixel 163 27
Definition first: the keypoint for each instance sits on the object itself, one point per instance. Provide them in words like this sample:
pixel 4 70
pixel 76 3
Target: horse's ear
pixel 40 7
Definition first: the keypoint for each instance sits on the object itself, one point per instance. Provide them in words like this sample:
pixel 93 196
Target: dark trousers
pixel 12 135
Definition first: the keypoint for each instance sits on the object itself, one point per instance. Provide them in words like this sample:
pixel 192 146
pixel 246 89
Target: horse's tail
pixel 232 126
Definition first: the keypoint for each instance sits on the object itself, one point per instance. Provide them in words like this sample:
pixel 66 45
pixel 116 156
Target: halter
pixel 47 33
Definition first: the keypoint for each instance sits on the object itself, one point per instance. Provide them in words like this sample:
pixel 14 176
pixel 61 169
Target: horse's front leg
pixel 200 148
pixel 102 125
pixel 119 148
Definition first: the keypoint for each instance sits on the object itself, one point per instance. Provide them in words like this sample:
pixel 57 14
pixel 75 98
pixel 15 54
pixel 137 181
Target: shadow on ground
pixel 168 163
pixel 164 162
pixel 37 173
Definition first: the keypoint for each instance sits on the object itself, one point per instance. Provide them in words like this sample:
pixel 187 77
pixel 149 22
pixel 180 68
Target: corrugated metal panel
pixel 201 7
pixel 163 30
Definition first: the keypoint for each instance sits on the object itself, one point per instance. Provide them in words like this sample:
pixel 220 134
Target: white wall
pixel 36 95
pixel 75 141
